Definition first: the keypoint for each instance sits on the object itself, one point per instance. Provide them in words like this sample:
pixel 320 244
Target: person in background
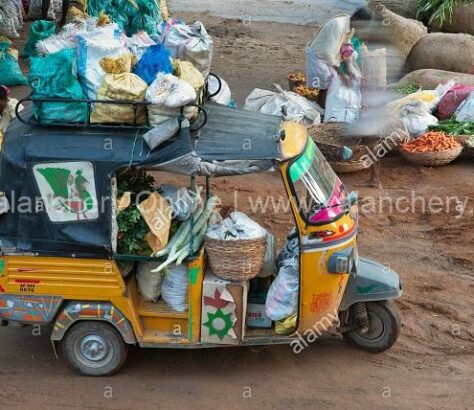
pixel 323 53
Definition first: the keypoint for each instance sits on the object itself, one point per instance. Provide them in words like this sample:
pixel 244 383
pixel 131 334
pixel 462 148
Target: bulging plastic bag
pixel 39 30
pixel 9 19
pixel 139 43
pixel 465 112
pixel 269 264
pixel 169 91
pixel 93 46
pixel 282 297
pixel 174 289
pixel 224 95
pixel 416 118
pixel 186 71
pixel 343 102
pixel 291 106
pixel 36 10
pixel 149 283
pixel 156 59
pixel 180 199
pixel 10 72
pixel 119 84
pixel 54 76
pixel 190 43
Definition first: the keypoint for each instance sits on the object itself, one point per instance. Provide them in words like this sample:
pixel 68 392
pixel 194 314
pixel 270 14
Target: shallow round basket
pixel 468 151
pixel 432 159
pixel 238 260
pixel 347 167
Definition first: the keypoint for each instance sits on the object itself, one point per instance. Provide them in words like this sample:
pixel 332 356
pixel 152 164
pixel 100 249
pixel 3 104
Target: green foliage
pixel 439 11
pixel 132 226
pixel 408 89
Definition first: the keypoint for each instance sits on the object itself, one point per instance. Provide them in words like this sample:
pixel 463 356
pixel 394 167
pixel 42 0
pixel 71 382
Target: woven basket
pixel 468 151
pixel 236 259
pixel 432 159
pixel 347 167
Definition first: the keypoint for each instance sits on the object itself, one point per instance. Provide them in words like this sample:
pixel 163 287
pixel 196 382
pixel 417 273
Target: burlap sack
pixel 374 66
pixel 463 20
pixel 429 79
pixel 443 51
pixel 157 212
pixel 405 8
pixel 403 33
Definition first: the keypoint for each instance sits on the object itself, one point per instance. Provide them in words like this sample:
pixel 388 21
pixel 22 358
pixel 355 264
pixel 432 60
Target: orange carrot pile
pixel 430 142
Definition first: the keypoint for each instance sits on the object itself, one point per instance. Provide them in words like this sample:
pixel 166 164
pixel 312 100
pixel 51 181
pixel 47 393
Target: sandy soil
pixel 431 366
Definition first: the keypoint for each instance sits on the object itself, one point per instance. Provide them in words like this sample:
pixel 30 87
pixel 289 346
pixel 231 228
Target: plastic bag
pixel 9 19
pixel 54 76
pixel 156 59
pixel 39 30
pixel 343 102
pixel 174 289
pixel 291 106
pixel 224 96
pixel 186 71
pixel 282 297
pixel 149 283
pixel 465 112
pixel 169 91
pixel 190 43
pixel 10 72
pixel 180 199
pixel 269 263
pixel 236 227
pixel 93 46
pixel 450 103
pixel 416 118
pixel 139 43
pixel 119 84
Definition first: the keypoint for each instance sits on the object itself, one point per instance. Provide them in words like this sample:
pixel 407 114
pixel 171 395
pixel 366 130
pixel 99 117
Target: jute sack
pixel 403 33
pixel 443 51
pixel 463 20
pixel 405 8
pixel 429 79
pixel 374 66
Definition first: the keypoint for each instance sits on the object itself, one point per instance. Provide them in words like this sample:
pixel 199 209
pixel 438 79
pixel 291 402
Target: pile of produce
pixel 431 142
pixel 454 127
pixel 311 93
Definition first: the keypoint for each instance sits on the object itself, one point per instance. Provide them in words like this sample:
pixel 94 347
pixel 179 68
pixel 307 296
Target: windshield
pixel 318 190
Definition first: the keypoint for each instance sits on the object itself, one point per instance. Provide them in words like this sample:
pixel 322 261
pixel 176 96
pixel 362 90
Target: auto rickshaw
pixel 59 263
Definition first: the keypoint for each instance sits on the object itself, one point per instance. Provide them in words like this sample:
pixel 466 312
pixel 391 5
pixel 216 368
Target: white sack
pixel 174 289
pixel 149 283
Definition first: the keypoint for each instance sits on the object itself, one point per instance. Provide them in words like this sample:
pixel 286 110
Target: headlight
pixel 343 262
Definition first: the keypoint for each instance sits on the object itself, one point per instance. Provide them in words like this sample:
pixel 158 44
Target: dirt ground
pixel 430 367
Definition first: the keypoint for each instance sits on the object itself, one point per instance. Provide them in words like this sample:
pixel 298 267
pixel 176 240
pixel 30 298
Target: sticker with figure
pixel 68 190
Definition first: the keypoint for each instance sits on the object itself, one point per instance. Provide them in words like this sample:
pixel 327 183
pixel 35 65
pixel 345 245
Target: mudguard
pixel 372 282
pixel 78 311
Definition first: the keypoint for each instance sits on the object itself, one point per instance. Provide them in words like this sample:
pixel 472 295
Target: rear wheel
pixel 94 348
pixel 383 331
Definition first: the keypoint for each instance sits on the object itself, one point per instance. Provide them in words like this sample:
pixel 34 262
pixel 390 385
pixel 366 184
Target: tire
pixel 94 348
pixel 384 328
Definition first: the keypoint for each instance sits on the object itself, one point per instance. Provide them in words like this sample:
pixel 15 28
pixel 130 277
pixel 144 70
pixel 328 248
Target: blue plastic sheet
pixel 156 59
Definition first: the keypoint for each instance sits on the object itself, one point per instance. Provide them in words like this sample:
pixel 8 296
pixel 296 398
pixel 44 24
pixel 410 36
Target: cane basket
pixel 238 260
pixel 432 159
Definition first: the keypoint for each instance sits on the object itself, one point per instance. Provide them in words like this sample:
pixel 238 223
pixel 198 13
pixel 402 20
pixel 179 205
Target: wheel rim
pixel 93 351
pixel 376 330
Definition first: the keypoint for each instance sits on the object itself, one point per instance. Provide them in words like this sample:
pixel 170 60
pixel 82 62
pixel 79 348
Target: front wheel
pixel 94 348
pixel 383 331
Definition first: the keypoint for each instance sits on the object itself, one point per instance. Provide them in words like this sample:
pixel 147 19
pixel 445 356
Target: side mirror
pixel 352 198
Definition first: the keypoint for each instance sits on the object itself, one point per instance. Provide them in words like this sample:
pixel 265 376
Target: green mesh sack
pixel 10 72
pixel 54 76
pixel 39 30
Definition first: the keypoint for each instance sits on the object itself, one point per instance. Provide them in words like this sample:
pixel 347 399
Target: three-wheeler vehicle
pixel 59 263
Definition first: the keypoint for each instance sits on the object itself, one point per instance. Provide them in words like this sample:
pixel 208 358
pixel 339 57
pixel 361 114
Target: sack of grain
pixel 405 8
pixel 443 51
pixel 403 33
pixel 149 283
pixel 462 22
pixel 429 79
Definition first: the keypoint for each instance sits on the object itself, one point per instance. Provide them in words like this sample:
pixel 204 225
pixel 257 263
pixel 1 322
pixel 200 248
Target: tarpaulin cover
pixel 245 143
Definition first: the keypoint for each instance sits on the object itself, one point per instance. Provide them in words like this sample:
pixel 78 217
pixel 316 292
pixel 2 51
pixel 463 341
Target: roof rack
pixel 201 119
